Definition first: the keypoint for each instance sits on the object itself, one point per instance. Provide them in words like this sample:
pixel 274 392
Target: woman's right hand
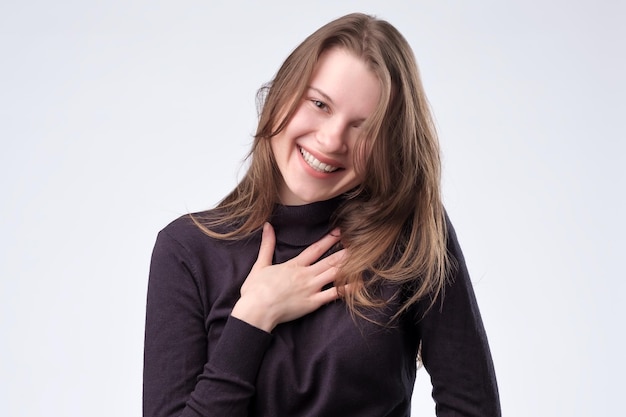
pixel 274 294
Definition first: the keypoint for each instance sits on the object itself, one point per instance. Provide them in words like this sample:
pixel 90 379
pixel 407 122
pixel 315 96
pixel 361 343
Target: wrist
pixel 254 315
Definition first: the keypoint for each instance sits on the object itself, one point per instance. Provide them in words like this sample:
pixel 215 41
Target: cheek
pixel 278 145
pixel 282 115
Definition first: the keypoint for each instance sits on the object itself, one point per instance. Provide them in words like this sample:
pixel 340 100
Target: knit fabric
pixel 200 361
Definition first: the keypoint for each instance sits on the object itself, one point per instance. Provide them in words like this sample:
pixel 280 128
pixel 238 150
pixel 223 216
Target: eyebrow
pixel 323 94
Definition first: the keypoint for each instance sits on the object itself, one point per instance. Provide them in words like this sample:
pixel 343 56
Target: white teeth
pixel 316 164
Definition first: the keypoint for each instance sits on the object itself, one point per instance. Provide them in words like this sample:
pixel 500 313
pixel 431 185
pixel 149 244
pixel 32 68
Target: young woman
pixel 311 288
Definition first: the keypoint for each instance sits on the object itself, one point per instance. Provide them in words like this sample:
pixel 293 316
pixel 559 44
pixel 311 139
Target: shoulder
pixel 452 243
pixel 182 229
pixel 186 232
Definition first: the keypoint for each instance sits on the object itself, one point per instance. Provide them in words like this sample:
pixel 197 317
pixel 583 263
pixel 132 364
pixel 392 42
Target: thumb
pixel 268 243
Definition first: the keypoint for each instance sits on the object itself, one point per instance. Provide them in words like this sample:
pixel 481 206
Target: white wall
pixel 118 116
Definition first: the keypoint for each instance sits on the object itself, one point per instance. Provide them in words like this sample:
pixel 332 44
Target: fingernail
pixel 335 232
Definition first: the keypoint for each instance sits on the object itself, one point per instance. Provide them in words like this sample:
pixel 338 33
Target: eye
pixel 320 104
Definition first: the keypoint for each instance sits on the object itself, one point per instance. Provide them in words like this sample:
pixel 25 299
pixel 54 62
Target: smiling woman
pixel 314 153
pixel 310 289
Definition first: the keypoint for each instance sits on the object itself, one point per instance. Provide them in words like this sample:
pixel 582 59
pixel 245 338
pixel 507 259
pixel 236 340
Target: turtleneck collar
pixel 303 225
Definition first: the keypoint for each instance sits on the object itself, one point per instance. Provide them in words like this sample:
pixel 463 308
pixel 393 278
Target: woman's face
pixel 314 152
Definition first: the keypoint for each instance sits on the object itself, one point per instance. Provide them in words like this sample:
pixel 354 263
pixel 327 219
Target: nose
pixel 332 136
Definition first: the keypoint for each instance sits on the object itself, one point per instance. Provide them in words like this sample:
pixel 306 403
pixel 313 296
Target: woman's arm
pixel 455 351
pixel 179 377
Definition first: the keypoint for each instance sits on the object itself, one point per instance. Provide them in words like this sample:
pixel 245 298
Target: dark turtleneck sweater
pixel 200 361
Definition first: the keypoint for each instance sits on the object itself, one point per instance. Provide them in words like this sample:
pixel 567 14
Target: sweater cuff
pixel 240 349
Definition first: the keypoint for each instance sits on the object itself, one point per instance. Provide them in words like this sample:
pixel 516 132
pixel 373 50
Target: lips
pixel 316 164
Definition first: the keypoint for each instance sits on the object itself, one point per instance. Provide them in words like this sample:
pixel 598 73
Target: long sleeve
pixel 455 350
pixel 201 361
pixel 186 373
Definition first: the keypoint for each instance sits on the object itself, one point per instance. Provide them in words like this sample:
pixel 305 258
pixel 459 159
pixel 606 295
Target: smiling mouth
pixel 315 163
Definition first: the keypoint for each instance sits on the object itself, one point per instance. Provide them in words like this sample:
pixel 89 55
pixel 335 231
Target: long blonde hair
pixel 394 222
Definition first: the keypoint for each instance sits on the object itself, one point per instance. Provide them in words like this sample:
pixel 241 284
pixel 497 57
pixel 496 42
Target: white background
pixel 118 116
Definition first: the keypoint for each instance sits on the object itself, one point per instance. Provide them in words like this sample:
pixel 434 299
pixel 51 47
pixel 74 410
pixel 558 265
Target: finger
pixel 317 249
pixel 332 261
pixel 344 289
pixel 324 278
pixel 268 242
pixel 325 296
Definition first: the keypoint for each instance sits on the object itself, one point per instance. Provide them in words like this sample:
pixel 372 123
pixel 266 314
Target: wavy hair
pixel 394 222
